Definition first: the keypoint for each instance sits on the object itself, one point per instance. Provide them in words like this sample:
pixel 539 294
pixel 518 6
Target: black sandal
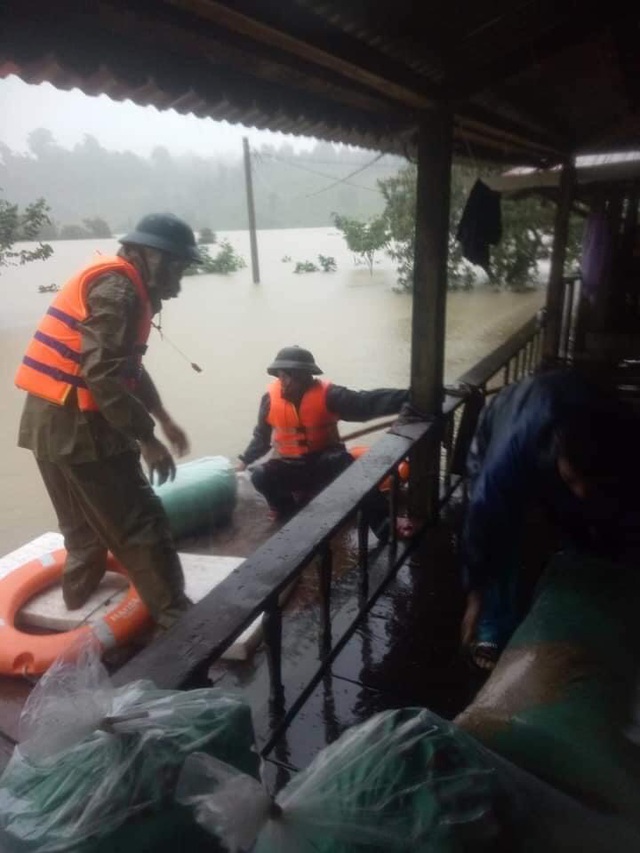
pixel 484 655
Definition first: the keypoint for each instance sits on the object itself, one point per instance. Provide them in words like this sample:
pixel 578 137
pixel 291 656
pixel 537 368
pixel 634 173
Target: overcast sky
pixel 119 125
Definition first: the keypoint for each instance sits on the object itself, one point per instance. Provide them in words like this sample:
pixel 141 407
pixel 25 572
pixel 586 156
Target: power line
pixel 316 172
pixel 350 175
pixel 301 159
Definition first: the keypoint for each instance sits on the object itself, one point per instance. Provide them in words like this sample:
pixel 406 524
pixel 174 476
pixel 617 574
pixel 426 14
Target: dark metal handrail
pixel 482 372
pixel 182 657
pixel 212 625
pixel 517 357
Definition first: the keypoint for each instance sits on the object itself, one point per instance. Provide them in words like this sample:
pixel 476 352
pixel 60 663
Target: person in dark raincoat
pixel 562 442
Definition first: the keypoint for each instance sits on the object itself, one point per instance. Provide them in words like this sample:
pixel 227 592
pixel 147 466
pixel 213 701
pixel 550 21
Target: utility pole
pixel 255 269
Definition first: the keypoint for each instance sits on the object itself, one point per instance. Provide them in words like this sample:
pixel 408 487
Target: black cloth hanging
pixel 480 225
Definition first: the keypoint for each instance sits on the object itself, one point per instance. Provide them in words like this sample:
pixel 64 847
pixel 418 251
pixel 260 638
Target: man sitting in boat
pixel 89 414
pixel 570 446
pixel 298 419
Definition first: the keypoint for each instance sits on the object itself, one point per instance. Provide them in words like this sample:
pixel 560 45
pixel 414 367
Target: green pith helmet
pixel 293 358
pixel 166 232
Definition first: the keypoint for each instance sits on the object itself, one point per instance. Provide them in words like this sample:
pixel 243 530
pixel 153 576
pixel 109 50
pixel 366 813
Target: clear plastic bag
pixel 402 781
pixel 91 760
pixel 67 704
pixel 230 805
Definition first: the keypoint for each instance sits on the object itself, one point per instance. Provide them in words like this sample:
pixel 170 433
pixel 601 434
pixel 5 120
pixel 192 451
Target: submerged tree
pixel 328 263
pixel 399 193
pixel 364 239
pixel 305 266
pixel 225 262
pixel 527 228
pixel 25 225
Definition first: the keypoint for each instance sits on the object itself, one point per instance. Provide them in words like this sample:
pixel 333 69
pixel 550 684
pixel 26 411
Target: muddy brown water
pixel 356 325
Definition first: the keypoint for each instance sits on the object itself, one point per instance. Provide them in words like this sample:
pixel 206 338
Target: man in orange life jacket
pixel 89 415
pixel 299 417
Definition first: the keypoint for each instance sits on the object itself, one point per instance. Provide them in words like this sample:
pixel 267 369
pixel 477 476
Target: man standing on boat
pixel 89 415
pixel 298 419
pixel 559 441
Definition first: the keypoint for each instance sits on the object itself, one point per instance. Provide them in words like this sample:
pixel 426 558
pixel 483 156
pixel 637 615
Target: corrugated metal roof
pixel 528 80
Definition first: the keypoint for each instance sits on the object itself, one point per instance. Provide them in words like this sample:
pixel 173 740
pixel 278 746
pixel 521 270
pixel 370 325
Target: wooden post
pixel 555 288
pixel 255 269
pixel 429 300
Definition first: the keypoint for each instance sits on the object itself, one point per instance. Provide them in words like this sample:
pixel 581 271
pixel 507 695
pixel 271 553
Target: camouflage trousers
pixel 108 505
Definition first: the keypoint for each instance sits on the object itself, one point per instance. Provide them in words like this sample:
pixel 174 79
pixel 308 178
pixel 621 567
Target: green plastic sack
pixel 561 696
pixel 92 757
pixel 405 780
pixel 203 494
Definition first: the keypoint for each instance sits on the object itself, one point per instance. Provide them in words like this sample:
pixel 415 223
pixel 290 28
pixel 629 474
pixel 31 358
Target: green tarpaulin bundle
pixel 203 494
pixel 560 700
pixel 404 780
pixel 92 756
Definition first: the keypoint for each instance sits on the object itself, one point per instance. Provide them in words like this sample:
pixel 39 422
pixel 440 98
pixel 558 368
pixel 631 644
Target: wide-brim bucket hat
pixel 166 232
pixel 293 358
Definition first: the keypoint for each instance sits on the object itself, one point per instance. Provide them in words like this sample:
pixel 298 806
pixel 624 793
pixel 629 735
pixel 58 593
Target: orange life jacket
pixel 309 428
pixel 52 363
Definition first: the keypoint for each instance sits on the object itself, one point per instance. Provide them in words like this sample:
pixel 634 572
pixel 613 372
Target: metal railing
pixel 517 357
pixel 182 657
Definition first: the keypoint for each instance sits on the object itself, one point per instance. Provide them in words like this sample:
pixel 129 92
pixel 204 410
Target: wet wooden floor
pixel 404 653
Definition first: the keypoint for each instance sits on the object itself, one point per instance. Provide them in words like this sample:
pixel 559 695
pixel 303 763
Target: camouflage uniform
pixel 90 464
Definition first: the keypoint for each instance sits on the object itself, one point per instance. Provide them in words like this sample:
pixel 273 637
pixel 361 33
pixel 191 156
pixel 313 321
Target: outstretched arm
pixel 365 405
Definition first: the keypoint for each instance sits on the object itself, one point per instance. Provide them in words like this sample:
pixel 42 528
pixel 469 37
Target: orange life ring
pixel 385 485
pixel 33 654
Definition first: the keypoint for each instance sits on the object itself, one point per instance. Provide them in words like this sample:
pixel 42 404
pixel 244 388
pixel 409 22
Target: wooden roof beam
pixel 472 80
pixel 370 69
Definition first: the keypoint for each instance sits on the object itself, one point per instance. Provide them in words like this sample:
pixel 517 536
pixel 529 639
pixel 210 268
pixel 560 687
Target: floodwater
pixel 356 325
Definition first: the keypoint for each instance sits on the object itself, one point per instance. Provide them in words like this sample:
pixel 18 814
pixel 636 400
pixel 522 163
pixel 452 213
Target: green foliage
pixel 328 263
pixel 286 259
pixel 25 225
pixel 225 262
pixel 399 193
pixel 207 236
pixel 527 229
pixel 525 225
pixel 527 239
pixel 364 239
pixel 306 266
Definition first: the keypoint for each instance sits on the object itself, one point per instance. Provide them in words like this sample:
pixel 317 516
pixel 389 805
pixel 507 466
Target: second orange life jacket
pixel 307 429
